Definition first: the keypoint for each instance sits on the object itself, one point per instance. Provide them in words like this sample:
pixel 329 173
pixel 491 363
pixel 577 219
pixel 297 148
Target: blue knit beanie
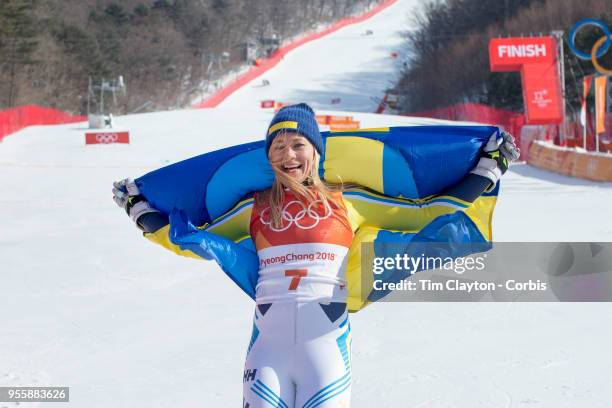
pixel 298 118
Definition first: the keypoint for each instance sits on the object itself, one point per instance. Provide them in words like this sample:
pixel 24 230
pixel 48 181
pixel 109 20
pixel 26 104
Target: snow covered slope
pixel 349 65
pixel 86 302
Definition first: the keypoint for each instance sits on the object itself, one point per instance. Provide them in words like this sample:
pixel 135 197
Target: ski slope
pixel 341 66
pixel 88 303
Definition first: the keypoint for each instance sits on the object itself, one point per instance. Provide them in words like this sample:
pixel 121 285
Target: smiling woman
pixel 299 354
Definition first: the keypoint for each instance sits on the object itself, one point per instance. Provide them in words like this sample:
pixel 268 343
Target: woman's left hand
pixel 496 156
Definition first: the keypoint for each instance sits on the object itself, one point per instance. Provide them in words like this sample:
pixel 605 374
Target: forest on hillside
pixel 448 59
pixel 167 51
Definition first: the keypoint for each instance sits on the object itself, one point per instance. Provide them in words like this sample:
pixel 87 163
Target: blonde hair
pixel 311 190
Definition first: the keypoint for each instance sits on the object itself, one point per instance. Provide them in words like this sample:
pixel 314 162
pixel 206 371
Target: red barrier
pixel 574 135
pixel 12 120
pixel 265 65
pixel 475 112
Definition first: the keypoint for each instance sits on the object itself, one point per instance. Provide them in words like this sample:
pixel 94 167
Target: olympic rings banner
pixel 601 46
pixel 107 137
pixel 536 59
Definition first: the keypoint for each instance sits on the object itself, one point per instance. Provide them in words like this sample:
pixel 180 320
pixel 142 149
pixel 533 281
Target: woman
pixel 300 349
pixel 299 353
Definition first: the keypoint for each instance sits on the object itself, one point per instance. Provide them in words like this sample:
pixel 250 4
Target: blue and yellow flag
pixel 399 173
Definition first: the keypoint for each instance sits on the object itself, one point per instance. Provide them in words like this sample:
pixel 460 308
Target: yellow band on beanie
pixel 282 125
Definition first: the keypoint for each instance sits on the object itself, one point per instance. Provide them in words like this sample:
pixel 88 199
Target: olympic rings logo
pixel 600 47
pixel 298 217
pixel 107 137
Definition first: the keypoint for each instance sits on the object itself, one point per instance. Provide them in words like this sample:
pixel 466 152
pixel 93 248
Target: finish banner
pixel 536 59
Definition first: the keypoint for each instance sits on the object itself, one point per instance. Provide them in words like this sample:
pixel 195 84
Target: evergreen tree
pixel 18 31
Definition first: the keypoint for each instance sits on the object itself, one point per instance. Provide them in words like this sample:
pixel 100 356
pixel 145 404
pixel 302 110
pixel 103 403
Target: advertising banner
pixel 600 104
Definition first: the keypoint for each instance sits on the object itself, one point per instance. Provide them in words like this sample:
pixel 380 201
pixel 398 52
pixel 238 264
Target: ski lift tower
pixel 99 115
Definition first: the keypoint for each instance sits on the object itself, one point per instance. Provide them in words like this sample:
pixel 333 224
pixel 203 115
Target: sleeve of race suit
pixel 469 189
pixel 151 222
